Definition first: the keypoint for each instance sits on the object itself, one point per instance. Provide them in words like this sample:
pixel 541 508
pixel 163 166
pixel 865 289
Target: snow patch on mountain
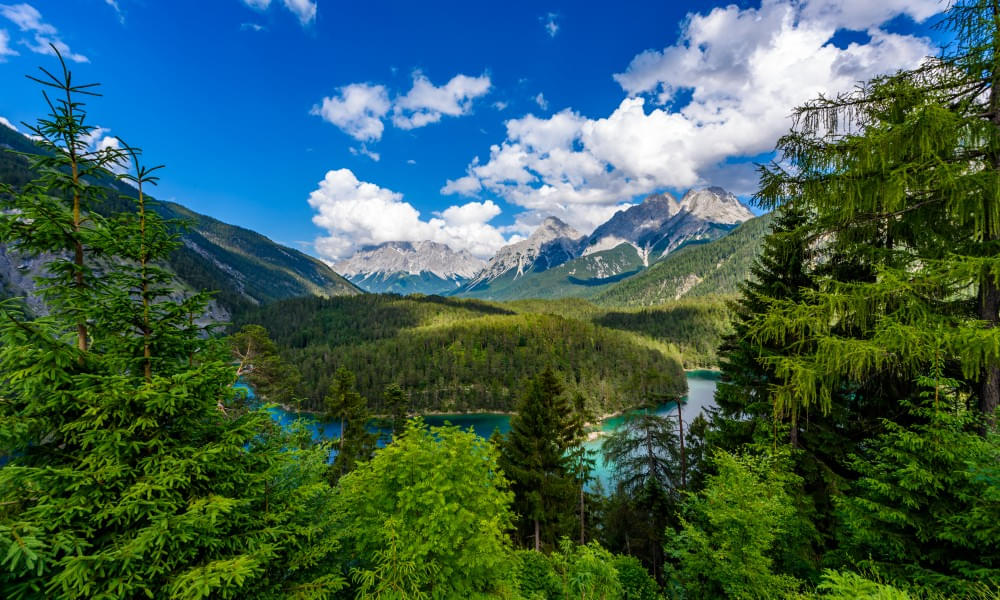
pixel 412 258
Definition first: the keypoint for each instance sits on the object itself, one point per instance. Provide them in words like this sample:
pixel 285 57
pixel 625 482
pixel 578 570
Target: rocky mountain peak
pixel 715 205
pixel 412 258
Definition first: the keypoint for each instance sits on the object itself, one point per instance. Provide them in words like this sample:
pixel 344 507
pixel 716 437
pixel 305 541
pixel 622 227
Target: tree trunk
pixel 989 292
pixel 582 542
pixel 680 426
pixel 538 537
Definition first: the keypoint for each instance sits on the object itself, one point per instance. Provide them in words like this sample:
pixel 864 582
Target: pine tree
pixel 397 404
pixel 356 443
pixel 128 474
pixel 780 272
pixel 535 461
pixel 645 458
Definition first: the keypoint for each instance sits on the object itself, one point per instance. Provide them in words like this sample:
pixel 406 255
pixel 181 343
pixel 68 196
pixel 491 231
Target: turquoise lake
pixel 701 395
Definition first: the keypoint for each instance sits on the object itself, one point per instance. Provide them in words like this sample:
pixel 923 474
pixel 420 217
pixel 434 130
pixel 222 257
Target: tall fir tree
pixel 356 442
pixel 127 475
pixel 534 459
pixel 781 272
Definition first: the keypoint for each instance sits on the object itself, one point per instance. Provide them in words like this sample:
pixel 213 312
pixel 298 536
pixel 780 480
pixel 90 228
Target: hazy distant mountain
pixel 245 268
pixel 552 244
pixel 409 267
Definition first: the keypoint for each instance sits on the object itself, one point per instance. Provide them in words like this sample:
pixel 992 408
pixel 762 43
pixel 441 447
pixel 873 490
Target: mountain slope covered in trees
pixel 698 269
pixel 245 268
pixel 461 355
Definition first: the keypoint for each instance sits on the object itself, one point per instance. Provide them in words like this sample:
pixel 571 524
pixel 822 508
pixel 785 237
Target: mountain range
pixel 245 268
pixel 556 260
pixel 410 267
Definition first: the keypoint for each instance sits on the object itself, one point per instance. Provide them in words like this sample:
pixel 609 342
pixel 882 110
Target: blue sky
pixel 484 117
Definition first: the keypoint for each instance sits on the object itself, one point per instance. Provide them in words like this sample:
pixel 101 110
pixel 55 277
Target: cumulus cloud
pixel 724 91
pixel 305 10
pixel 43 35
pixel 361 109
pixel 426 103
pixel 541 101
pixel 357 109
pixel 356 213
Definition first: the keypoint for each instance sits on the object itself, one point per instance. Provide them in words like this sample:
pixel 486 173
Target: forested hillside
pixel 696 327
pixel 462 355
pixel 245 268
pixel 698 269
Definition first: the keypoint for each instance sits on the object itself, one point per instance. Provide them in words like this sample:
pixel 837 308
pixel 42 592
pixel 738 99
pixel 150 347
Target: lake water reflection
pixel 701 395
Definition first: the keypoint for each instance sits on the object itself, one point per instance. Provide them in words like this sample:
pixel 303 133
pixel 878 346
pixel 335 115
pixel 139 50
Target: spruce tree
pixel 396 403
pixel 356 443
pixel 780 272
pixel 645 458
pixel 534 459
pixel 128 474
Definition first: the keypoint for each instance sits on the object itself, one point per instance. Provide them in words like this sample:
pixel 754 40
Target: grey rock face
pixel 412 258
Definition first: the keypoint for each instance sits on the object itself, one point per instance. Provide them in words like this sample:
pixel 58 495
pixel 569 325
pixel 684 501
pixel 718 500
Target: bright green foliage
pixel 731 531
pixel 536 579
pixel 838 585
pixel 926 510
pixel 130 471
pixel 534 457
pixel 427 517
pixel 346 405
pixel 635 579
pixel 272 377
pixel 586 572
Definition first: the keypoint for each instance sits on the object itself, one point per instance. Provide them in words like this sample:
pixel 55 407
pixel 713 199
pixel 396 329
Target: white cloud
pixel 5 49
pixel 541 101
pixel 305 10
pixel 252 27
pixel 357 109
pixel 6 123
pixel 356 213
pixel 426 103
pixel 740 72
pixel 549 22
pixel 118 11
pixel 29 20
pixel 500 105
pixel 410 161
pixel 364 151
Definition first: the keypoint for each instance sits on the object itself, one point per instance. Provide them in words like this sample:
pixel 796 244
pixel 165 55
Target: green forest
pixel 853 453
pixel 454 355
